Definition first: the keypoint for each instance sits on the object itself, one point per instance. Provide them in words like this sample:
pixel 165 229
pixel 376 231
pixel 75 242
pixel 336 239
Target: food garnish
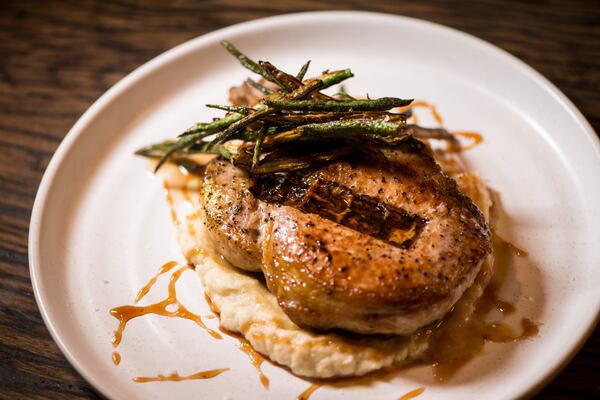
pixel 295 125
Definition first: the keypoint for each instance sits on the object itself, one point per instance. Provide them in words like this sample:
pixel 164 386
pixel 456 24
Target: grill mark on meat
pixel 329 200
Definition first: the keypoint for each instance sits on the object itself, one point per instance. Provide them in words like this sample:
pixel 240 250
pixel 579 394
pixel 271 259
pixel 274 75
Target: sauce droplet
pixel 116 357
pixel 412 394
pixel 309 391
pixel 176 378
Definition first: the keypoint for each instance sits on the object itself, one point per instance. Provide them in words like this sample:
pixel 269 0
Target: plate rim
pixel 159 61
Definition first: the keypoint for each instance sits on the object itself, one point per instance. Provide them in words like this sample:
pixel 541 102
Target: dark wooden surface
pixel 56 58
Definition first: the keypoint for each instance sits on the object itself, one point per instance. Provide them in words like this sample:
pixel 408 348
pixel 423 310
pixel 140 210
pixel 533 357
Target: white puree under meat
pixel 247 307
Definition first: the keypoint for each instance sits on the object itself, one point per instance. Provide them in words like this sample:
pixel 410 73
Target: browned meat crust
pixel 385 247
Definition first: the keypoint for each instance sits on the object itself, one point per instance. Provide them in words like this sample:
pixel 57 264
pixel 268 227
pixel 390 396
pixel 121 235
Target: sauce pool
pixel 464 332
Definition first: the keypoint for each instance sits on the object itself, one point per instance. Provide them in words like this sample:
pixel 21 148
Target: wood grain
pixel 56 58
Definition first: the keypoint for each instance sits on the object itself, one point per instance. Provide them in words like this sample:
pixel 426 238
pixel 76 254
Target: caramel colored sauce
pixel 504 306
pixel 211 305
pixel 126 313
pixel 452 147
pixel 169 198
pixel 412 394
pixel 476 140
pixel 502 333
pixel 186 190
pixel 190 219
pixel 530 328
pixel 116 357
pixel 464 332
pixel 255 357
pixel 508 245
pixel 436 116
pixel 443 371
pixel 497 332
pixel 309 391
pixel 176 377
pixel 244 345
pixel 162 270
pixel 193 253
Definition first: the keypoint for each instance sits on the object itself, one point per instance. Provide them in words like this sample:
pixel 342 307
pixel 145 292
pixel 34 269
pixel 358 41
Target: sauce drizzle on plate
pixel 452 147
pixel 244 345
pixel 126 313
pixel 436 116
pixel 162 270
pixel 169 198
pixel 177 378
pixel 412 394
pixel 476 140
pixel 309 391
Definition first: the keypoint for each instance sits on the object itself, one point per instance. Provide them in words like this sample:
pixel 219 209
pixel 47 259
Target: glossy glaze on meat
pixel 377 247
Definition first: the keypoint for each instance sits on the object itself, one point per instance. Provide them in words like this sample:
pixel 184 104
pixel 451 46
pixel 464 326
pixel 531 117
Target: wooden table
pixel 56 58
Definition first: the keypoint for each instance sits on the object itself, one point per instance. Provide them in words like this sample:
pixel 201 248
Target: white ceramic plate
pixel 100 226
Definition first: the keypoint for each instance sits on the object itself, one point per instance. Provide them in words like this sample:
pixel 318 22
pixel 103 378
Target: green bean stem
pixel 246 61
pixel 208 128
pixel 303 70
pixel 303 91
pixel 382 104
pixel 263 89
pixel 340 129
pixel 286 80
pixel 234 109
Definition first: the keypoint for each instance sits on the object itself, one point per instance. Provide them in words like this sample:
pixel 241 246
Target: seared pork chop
pixel 378 247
